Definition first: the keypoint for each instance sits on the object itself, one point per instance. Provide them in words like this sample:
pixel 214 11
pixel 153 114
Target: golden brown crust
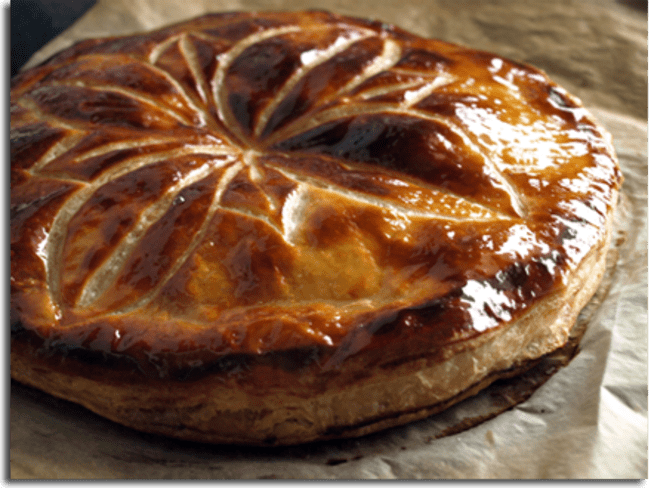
pixel 275 219
pixel 300 406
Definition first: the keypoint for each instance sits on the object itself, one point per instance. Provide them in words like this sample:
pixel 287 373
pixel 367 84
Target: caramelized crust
pixel 281 212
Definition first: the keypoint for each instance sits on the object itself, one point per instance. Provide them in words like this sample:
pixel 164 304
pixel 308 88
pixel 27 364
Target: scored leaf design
pixel 246 118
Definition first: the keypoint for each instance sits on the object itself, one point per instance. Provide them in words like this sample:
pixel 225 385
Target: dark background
pixel 34 22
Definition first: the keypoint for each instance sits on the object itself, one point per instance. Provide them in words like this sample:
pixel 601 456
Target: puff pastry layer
pixel 280 227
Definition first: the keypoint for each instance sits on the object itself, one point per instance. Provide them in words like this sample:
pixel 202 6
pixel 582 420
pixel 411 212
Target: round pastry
pixel 272 228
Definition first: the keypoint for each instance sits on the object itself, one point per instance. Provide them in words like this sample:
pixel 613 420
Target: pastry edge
pixel 217 411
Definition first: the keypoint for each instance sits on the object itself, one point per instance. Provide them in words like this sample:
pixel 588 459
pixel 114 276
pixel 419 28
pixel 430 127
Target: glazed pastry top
pixel 256 182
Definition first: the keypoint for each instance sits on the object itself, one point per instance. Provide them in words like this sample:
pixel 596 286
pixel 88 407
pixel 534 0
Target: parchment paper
pixel 589 420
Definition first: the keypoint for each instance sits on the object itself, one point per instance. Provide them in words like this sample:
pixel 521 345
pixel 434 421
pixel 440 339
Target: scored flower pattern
pixel 246 125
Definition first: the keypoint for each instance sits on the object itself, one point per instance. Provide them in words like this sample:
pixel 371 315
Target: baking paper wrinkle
pixel 589 420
